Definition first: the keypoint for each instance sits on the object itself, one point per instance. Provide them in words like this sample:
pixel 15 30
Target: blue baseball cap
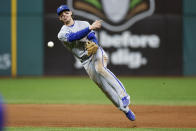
pixel 62 8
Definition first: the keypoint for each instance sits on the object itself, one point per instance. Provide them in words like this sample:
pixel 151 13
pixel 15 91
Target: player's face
pixel 65 16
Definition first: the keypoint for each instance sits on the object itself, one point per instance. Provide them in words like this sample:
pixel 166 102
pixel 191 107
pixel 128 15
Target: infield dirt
pixel 59 115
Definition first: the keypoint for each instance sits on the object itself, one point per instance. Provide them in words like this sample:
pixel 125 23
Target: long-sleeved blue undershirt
pixel 91 36
pixel 82 33
pixel 78 35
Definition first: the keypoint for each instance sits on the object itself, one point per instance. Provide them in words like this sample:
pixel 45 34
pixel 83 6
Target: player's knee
pixel 100 69
pixel 105 59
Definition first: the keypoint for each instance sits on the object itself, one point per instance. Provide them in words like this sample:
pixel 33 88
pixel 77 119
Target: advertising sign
pixel 141 37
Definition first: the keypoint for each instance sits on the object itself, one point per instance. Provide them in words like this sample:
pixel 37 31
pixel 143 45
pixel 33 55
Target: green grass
pixel 162 91
pixel 100 129
pixel 65 90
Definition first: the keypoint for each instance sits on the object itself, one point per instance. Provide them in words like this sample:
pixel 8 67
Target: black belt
pixel 84 58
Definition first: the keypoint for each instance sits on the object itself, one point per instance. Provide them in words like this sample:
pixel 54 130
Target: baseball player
pixel 79 38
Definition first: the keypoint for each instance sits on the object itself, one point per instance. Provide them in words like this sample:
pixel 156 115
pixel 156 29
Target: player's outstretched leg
pixel 101 68
pixel 109 84
pixel 110 81
pixel 113 96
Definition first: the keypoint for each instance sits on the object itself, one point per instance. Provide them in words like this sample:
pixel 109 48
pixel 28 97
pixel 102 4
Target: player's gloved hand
pixel 91 47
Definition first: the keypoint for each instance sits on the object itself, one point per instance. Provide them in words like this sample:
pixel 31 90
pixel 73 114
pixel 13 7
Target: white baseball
pixel 50 44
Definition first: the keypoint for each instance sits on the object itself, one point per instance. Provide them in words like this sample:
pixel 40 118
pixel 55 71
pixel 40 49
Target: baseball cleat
pixel 130 115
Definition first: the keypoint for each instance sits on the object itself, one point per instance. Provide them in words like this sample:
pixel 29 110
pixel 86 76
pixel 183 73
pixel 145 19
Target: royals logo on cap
pixel 62 8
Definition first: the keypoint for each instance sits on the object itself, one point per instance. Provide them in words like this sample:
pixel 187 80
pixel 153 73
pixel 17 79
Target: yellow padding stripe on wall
pixel 14 37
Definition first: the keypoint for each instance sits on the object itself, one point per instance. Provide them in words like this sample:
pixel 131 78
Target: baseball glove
pixel 91 47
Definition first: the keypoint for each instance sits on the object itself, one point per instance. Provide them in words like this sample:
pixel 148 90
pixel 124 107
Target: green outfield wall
pixel 189 37
pixel 5 53
pixel 30 37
